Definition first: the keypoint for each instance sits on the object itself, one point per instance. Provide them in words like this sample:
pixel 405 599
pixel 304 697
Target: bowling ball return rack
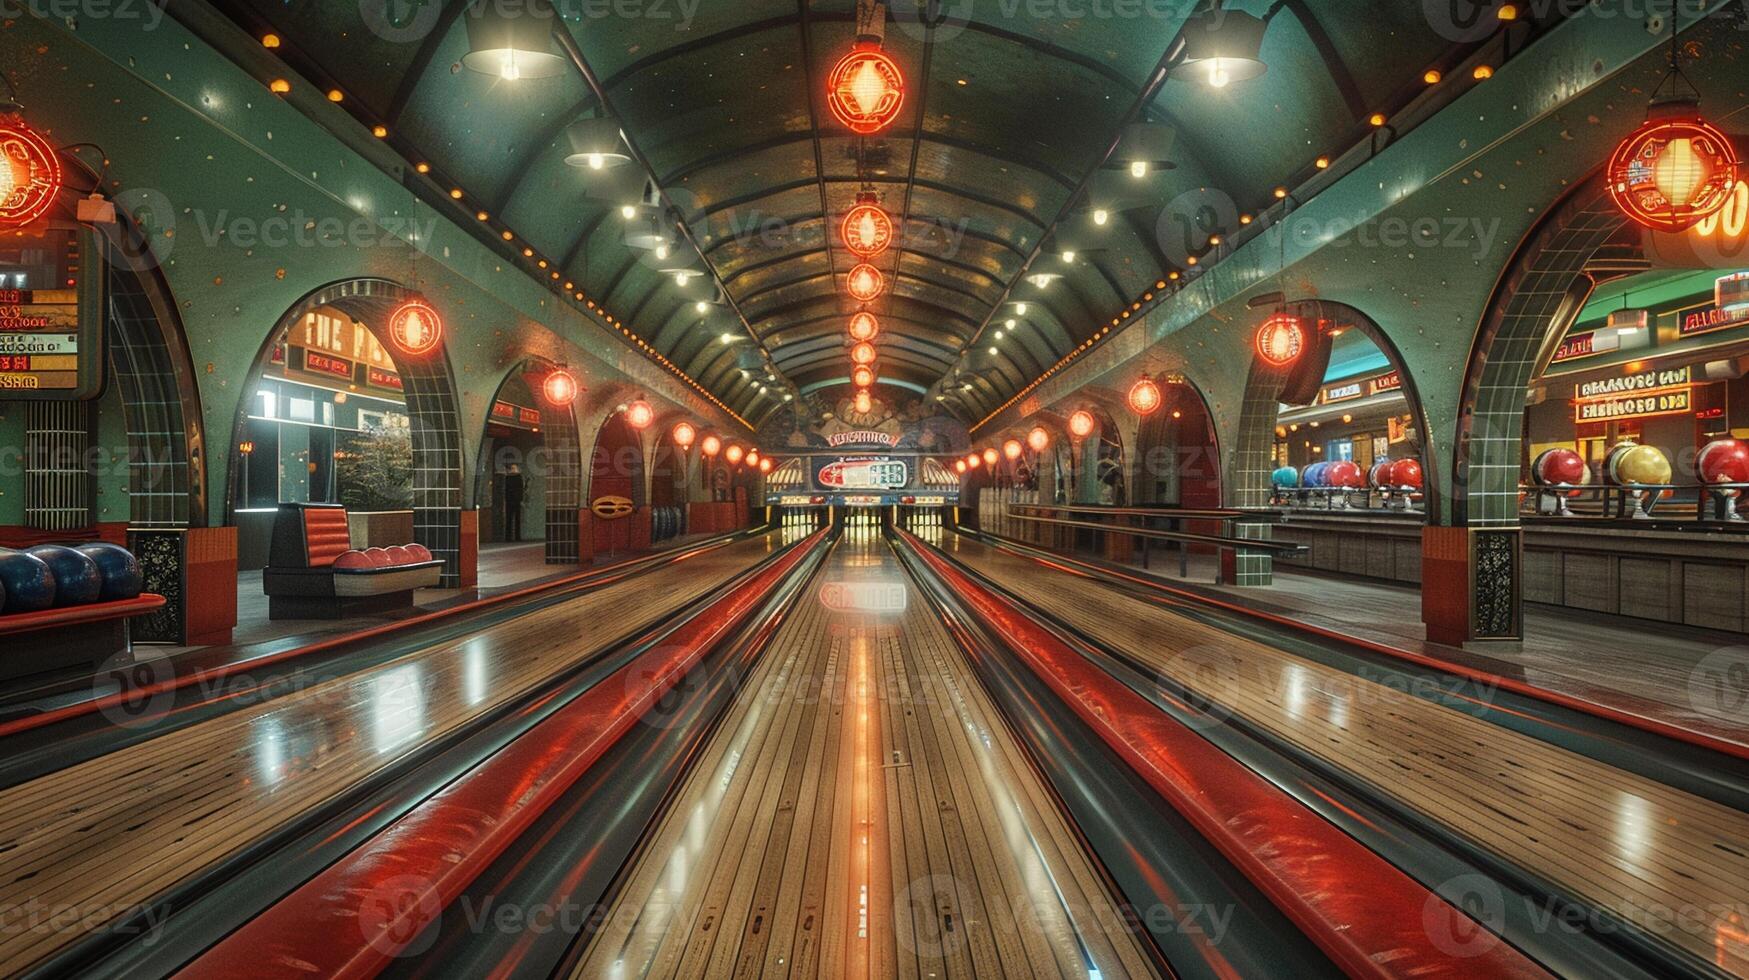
pixel 41 645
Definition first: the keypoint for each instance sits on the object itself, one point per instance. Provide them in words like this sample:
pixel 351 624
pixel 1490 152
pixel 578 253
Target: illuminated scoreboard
pixel 50 327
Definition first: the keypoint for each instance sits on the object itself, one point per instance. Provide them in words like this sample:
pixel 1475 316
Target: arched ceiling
pixel 1009 115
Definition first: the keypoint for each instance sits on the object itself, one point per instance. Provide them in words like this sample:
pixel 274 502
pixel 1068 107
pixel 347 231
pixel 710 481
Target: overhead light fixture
pixel 1224 46
pixel 596 144
pixel 867 230
pixel 1042 280
pixel 511 41
pixel 1101 216
pixel 702 307
pixel 865 282
pixel 1145 148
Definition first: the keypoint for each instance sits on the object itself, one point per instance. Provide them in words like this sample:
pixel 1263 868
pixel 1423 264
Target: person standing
pixel 513 503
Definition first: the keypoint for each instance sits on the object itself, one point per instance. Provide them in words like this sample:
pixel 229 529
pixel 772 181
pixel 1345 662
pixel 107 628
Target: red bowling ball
pixel 1379 476
pixel 353 560
pixel 1560 468
pixel 1406 474
pixel 1724 461
pixel 419 552
pixel 378 557
pixel 1344 474
pixel 399 555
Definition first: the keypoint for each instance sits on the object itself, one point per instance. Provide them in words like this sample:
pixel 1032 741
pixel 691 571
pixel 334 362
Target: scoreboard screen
pixel 50 327
pixel 873 473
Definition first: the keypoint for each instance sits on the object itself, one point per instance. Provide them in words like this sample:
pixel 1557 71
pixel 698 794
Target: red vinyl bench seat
pixel 302 580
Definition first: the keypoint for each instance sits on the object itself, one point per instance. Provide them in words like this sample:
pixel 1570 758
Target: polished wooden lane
pixel 94 842
pixel 862 813
pixel 1674 864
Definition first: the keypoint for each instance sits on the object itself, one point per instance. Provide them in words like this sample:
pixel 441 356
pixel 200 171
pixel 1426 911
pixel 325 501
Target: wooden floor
pixel 89 844
pixel 1617 841
pixel 862 813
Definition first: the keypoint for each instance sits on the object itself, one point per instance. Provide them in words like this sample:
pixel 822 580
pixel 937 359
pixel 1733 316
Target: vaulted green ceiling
pixel 1012 107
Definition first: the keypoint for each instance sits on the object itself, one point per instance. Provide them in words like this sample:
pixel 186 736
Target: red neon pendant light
pixel 560 387
pixel 735 454
pixel 639 415
pixel 1038 439
pixel 1012 449
pixel 1674 171
pixel 30 174
pixel 990 457
pixel 765 465
pixel 867 231
pixel 866 283
pixel 1081 424
pixel 865 90
pixel 1144 397
pixel 684 434
pixel 711 445
pixel 864 326
pixel 864 403
pixel 863 353
pixel 1281 339
pixel 415 328
pixel 863 376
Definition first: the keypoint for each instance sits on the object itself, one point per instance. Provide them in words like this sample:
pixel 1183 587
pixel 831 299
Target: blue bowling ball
pixel 77 580
pixel 1285 478
pixel 28 583
pixel 1313 473
pixel 120 570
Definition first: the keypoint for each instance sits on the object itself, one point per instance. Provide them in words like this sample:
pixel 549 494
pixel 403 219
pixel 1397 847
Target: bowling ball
pixel 1315 474
pixel 1345 474
pixel 1380 474
pixel 28 583
pixel 398 555
pixel 1612 458
pixel 1560 467
pixel 77 580
pixel 1406 473
pixel 122 576
pixel 1724 461
pixel 351 560
pixel 377 556
pixel 1642 465
pixel 419 552
pixel 1286 477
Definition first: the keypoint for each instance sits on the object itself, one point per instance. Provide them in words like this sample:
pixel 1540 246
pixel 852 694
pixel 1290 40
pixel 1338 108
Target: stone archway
pixel 439 520
pixel 559 464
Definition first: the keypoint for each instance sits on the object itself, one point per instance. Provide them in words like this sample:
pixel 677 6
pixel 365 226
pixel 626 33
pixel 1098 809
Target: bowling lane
pixel 99 841
pixel 1669 863
pixel 862 812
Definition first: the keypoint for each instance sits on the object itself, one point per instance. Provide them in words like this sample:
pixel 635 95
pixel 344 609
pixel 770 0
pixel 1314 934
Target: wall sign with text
pixel 51 322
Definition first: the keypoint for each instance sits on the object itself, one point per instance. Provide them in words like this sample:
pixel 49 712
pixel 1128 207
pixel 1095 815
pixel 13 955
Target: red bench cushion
pixel 326 536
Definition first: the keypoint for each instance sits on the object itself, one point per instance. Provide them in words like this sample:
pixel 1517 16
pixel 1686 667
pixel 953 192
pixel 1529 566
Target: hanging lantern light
pixel 684 434
pixel 1012 449
pixel 863 353
pixel 865 283
pixel 1225 46
pixel 867 230
pixel 863 403
pixel 511 41
pixel 639 414
pixel 864 326
pixel 1281 339
pixel 734 455
pixel 711 445
pixel 765 466
pixel 1038 439
pixel 1081 424
pixel 863 376
pixel 752 457
pixel 560 387
pixel 959 466
pixel 1144 397
pixel 1674 171
pixel 865 89
pixel 30 174
pixel 596 144
pixel 973 461
pixel 415 328
pixel 990 457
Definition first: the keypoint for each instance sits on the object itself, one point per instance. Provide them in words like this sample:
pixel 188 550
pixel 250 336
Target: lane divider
pixel 366 909
pixel 1595 709
pixel 1369 917
pixel 606 575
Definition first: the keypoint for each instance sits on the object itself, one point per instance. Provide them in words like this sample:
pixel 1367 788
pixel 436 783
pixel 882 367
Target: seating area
pixel 313 571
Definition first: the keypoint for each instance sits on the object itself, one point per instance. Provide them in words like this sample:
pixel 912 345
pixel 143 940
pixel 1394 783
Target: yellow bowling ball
pixel 1642 465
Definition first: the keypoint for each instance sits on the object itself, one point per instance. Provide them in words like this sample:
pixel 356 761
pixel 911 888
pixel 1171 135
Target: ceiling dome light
pixel 511 41
pixel 1281 339
pixel 867 230
pixel 1674 170
pixel 596 144
pixel 1012 449
pixel 1101 216
pixel 1038 439
pixel 863 353
pixel 30 174
pixel 864 326
pixel 415 328
pixel 863 376
pixel 1144 397
pixel 865 282
pixel 560 387
pixel 865 90
pixel 684 434
pixel 1224 46
pixel 735 454
pixel 990 457
pixel 711 445
pixel 1081 424
pixel 639 414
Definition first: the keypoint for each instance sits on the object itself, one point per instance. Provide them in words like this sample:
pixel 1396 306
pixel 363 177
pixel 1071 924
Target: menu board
pixel 50 333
